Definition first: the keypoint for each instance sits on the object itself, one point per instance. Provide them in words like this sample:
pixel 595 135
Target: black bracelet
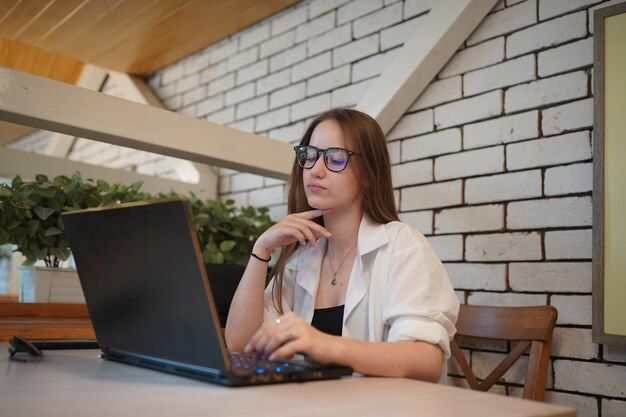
pixel 259 258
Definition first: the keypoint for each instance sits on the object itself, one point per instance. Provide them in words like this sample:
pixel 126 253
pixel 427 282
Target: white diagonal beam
pixel 39 102
pixel 421 57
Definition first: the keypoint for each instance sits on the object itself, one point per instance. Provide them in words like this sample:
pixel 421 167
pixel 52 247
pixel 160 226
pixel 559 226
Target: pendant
pixel 334 281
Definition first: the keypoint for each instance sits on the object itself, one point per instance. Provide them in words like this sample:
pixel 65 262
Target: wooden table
pixel 45 321
pixel 78 383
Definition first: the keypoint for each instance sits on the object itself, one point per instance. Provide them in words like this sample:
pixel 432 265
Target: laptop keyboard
pixel 244 363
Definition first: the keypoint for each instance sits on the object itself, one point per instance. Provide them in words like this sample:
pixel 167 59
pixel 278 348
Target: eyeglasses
pixel 335 159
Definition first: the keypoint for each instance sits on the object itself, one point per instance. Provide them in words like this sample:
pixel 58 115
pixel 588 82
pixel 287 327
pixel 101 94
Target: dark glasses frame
pixel 305 148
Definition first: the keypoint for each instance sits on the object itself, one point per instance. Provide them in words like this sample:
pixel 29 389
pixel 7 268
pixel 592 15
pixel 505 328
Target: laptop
pixel 145 284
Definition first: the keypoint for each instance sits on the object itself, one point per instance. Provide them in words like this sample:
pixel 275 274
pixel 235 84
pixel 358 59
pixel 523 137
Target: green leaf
pixel 32 227
pixel 17 182
pixel 4 236
pixel 5 191
pixel 53 231
pixel 227 245
pixel 41 178
pixel 49 193
pixel 136 186
pixel 29 262
pixel 103 185
pixel 43 212
pixel 202 219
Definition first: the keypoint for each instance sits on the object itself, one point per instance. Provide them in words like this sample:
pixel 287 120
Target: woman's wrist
pixel 261 253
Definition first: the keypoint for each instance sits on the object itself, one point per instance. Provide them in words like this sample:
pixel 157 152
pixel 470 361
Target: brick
pixel 172 73
pixel 252 72
pixel 223 50
pixel 584 405
pixel 328 81
pixel 468 276
pixel 246 125
pixel 287 58
pixel 431 196
pixel 570 116
pixel 546 91
pixel 210 105
pixel 214 72
pixel 240 94
pixel 573 343
pixel 222 117
pixel 288 19
pixel 501 130
pixel 310 107
pixel 193 96
pixel 253 36
pixel 315 27
pixel 350 95
pixel 417 7
pixel 548 9
pixel 320 7
pixel 503 187
pixel 479 56
pixel 312 66
pixel 437 143
pixel 224 185
pixel 267 196
pixel 357 9
pixel 550 276
pixel 470 163
pixel 573 309
pixel 421 220
pixel 565 58
pixel 376 21
pixel 187 83
pixel 569 244
pixel 505 21
pixel 411 125
pixel 370 67
pixel 277 44
pixel 613 408
pixel 330 40
pixel 240 199
pixel 614 353
pixel 277 213
pixel 251 107
pixel 439 92
pixel 243 58
pixel 561 149
pixel 470 219
pixel 448 248
pixel 552 212
pixel 221 84
pixel 242 182
pixel 355 50
pixel 575 376
pixel 272 119
pixel 273 82
pixel 292 133
pixel 503 247
pixel 394 152
pixel 174 103
pixel 196 63
pixel 412 173
pixel 577 178
pixel 399 34
pixel 506 299
pixel 287 95
pixel 469 110
pixel 547 34
pixel 514 71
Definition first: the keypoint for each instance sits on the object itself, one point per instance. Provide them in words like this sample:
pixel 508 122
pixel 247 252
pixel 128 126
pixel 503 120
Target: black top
pixel 328 320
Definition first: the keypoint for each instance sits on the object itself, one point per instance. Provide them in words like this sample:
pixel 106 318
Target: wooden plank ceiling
pixel 132 36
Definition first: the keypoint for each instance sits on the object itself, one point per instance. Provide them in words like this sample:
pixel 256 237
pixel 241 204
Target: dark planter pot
pixel 223 279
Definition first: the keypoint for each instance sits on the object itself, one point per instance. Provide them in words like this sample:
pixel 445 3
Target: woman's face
pixel 326 189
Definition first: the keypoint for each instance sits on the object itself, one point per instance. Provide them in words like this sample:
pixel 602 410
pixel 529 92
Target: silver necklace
pixel 330 262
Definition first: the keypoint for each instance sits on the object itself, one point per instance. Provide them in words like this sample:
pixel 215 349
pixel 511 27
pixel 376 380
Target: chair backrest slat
pixel 530 326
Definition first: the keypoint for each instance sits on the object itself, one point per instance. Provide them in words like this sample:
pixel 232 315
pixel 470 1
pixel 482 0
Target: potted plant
pixel 30 218
pixel 226 234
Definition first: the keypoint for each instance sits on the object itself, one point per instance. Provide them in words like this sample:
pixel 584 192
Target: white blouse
pixel 398 288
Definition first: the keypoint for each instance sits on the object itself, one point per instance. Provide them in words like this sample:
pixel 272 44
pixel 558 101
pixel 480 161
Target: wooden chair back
pixel 530 327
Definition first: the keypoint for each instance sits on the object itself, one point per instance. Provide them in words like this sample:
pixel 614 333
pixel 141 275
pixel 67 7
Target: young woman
pixel 353 285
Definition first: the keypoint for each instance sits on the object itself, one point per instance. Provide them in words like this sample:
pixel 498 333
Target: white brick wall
pixel 494 157
pixel 575 376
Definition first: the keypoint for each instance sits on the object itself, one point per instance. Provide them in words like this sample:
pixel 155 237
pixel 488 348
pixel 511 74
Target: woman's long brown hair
pixel 365 137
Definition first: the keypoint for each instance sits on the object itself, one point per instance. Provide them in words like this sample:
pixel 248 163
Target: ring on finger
pixel 289 335
pixel 277 321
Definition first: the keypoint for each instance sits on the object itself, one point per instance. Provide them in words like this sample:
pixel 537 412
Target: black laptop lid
pixel 144 281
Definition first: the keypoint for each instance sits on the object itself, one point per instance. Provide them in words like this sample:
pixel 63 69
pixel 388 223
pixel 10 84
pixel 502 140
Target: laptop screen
pixel 144 281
